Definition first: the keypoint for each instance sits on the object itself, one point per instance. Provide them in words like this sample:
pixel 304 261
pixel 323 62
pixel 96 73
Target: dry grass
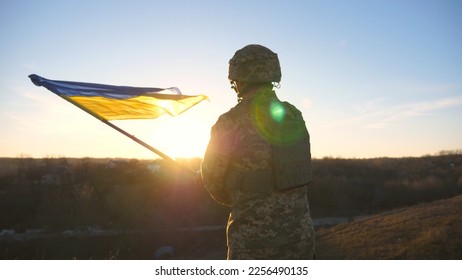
pixel 426 231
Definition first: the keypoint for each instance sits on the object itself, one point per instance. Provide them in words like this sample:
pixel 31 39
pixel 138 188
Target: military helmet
pixel 255 64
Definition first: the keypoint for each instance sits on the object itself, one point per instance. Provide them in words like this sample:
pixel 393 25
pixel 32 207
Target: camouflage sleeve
pixel 217 159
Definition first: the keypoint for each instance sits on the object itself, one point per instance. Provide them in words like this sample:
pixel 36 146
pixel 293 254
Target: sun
pixel 182 137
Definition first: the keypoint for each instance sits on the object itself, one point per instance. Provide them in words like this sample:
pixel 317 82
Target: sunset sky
pixel 372 78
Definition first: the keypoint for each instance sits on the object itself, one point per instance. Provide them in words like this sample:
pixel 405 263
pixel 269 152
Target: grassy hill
pixel 425 231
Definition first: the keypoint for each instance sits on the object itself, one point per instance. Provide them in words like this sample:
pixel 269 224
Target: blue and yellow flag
pixel 121 102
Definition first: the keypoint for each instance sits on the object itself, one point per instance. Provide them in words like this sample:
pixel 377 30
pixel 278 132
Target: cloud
pixel 372 114
pixel 400 112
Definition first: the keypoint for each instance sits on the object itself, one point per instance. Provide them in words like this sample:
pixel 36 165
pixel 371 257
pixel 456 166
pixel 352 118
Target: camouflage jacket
pixel 258 219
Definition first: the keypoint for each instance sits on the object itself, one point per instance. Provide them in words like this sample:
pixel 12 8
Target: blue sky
pixel 372 78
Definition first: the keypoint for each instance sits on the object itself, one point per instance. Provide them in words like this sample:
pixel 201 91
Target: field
pixel 387 208
pixel 426 231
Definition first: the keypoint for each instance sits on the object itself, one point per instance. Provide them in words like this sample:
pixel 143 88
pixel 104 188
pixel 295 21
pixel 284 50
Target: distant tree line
pixel 348 187
pixel 61 193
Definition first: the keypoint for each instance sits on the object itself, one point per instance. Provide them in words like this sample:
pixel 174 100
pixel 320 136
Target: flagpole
pixel 137 140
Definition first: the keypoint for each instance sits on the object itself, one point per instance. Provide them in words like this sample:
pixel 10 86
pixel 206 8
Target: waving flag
pixel 121 102
pixel 106 103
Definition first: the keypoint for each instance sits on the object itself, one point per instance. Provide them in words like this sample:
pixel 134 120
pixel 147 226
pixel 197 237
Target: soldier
pixel 258 162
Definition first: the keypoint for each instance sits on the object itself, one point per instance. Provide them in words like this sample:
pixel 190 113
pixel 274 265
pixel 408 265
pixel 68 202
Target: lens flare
pixel 276 123
pixel 277 111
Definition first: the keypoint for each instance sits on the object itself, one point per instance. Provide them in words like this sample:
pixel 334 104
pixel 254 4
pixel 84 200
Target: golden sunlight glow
pixel 182 138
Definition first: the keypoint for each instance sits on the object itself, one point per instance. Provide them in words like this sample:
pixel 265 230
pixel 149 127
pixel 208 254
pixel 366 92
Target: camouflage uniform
pixel 237 170
pixel 263 224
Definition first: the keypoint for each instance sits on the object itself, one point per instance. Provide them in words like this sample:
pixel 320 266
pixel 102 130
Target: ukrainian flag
pixel 121 102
